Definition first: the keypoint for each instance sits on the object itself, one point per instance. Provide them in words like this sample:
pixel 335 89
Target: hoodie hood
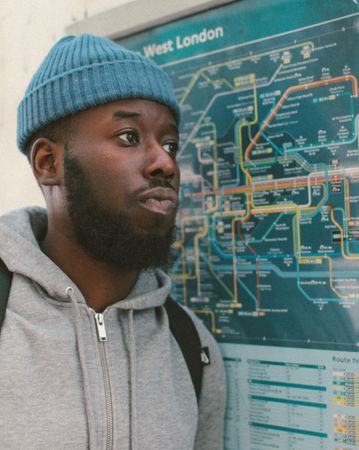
pixel 22 230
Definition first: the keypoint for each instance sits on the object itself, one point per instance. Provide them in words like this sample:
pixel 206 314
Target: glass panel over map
pixel 267 250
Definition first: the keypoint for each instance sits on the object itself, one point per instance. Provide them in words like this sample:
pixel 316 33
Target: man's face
pixel 122 182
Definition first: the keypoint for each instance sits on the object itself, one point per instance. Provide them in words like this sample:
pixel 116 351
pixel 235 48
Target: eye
pixel 171 148
pixel 128 137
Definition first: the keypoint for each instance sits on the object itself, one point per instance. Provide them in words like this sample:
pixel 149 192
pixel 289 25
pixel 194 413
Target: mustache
pixel 157 182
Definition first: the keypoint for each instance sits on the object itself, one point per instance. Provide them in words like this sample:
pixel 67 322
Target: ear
pixel 47 162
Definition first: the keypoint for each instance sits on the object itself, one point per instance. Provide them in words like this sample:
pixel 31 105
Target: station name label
pixel 181 42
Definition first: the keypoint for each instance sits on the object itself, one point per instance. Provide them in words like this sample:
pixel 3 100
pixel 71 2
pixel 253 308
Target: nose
pixel 159 163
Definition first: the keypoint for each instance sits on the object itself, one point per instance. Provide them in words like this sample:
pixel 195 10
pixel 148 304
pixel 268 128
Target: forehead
pixel 136 109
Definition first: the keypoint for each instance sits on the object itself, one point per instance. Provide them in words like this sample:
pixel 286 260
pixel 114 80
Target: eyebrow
pixel 124 114
pixel 121 114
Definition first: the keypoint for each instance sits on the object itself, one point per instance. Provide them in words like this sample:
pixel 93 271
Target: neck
pixel 101 284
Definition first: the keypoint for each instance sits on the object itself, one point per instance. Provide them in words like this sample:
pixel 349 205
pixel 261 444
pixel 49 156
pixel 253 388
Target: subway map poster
pixel 267 247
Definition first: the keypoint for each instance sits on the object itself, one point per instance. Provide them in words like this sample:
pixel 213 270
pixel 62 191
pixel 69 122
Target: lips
pixel 159 200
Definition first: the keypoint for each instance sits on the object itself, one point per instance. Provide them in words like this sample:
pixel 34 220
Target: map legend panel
pixel 289 402
pixel 346 429
pixel 288 398
pixel 346 389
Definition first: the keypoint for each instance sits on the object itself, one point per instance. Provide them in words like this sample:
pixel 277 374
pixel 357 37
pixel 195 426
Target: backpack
pixel 181 326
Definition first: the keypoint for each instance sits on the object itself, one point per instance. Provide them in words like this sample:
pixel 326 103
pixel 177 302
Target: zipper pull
pixel 100 327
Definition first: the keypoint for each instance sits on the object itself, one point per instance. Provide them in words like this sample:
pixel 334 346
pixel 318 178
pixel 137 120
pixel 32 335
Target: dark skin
pixel 122 146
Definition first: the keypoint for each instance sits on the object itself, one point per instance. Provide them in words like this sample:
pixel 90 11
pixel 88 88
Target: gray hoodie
pixel 62 388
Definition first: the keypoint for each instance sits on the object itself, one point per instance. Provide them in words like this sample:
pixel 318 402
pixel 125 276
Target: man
pixel 87 359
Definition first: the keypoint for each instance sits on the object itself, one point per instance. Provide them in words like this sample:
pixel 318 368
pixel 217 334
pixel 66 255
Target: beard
pixel 108 236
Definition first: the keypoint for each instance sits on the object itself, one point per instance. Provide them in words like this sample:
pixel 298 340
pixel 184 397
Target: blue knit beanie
pixel 85 71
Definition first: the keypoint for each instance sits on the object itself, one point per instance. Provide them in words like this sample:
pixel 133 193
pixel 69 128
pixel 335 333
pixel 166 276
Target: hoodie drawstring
pixel 85 376
pixel 133 393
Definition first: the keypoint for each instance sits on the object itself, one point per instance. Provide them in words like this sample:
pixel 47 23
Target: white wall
pixel 28 28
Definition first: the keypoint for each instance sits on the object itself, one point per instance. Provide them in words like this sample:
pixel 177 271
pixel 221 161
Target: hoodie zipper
pixel 100 327
pixel 102 338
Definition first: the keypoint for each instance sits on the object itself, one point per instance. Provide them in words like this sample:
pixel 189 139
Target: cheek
pixel 110 188
pixel 114 181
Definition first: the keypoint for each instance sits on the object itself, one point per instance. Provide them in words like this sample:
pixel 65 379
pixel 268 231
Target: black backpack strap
pixel 5 285
pixel 186 335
